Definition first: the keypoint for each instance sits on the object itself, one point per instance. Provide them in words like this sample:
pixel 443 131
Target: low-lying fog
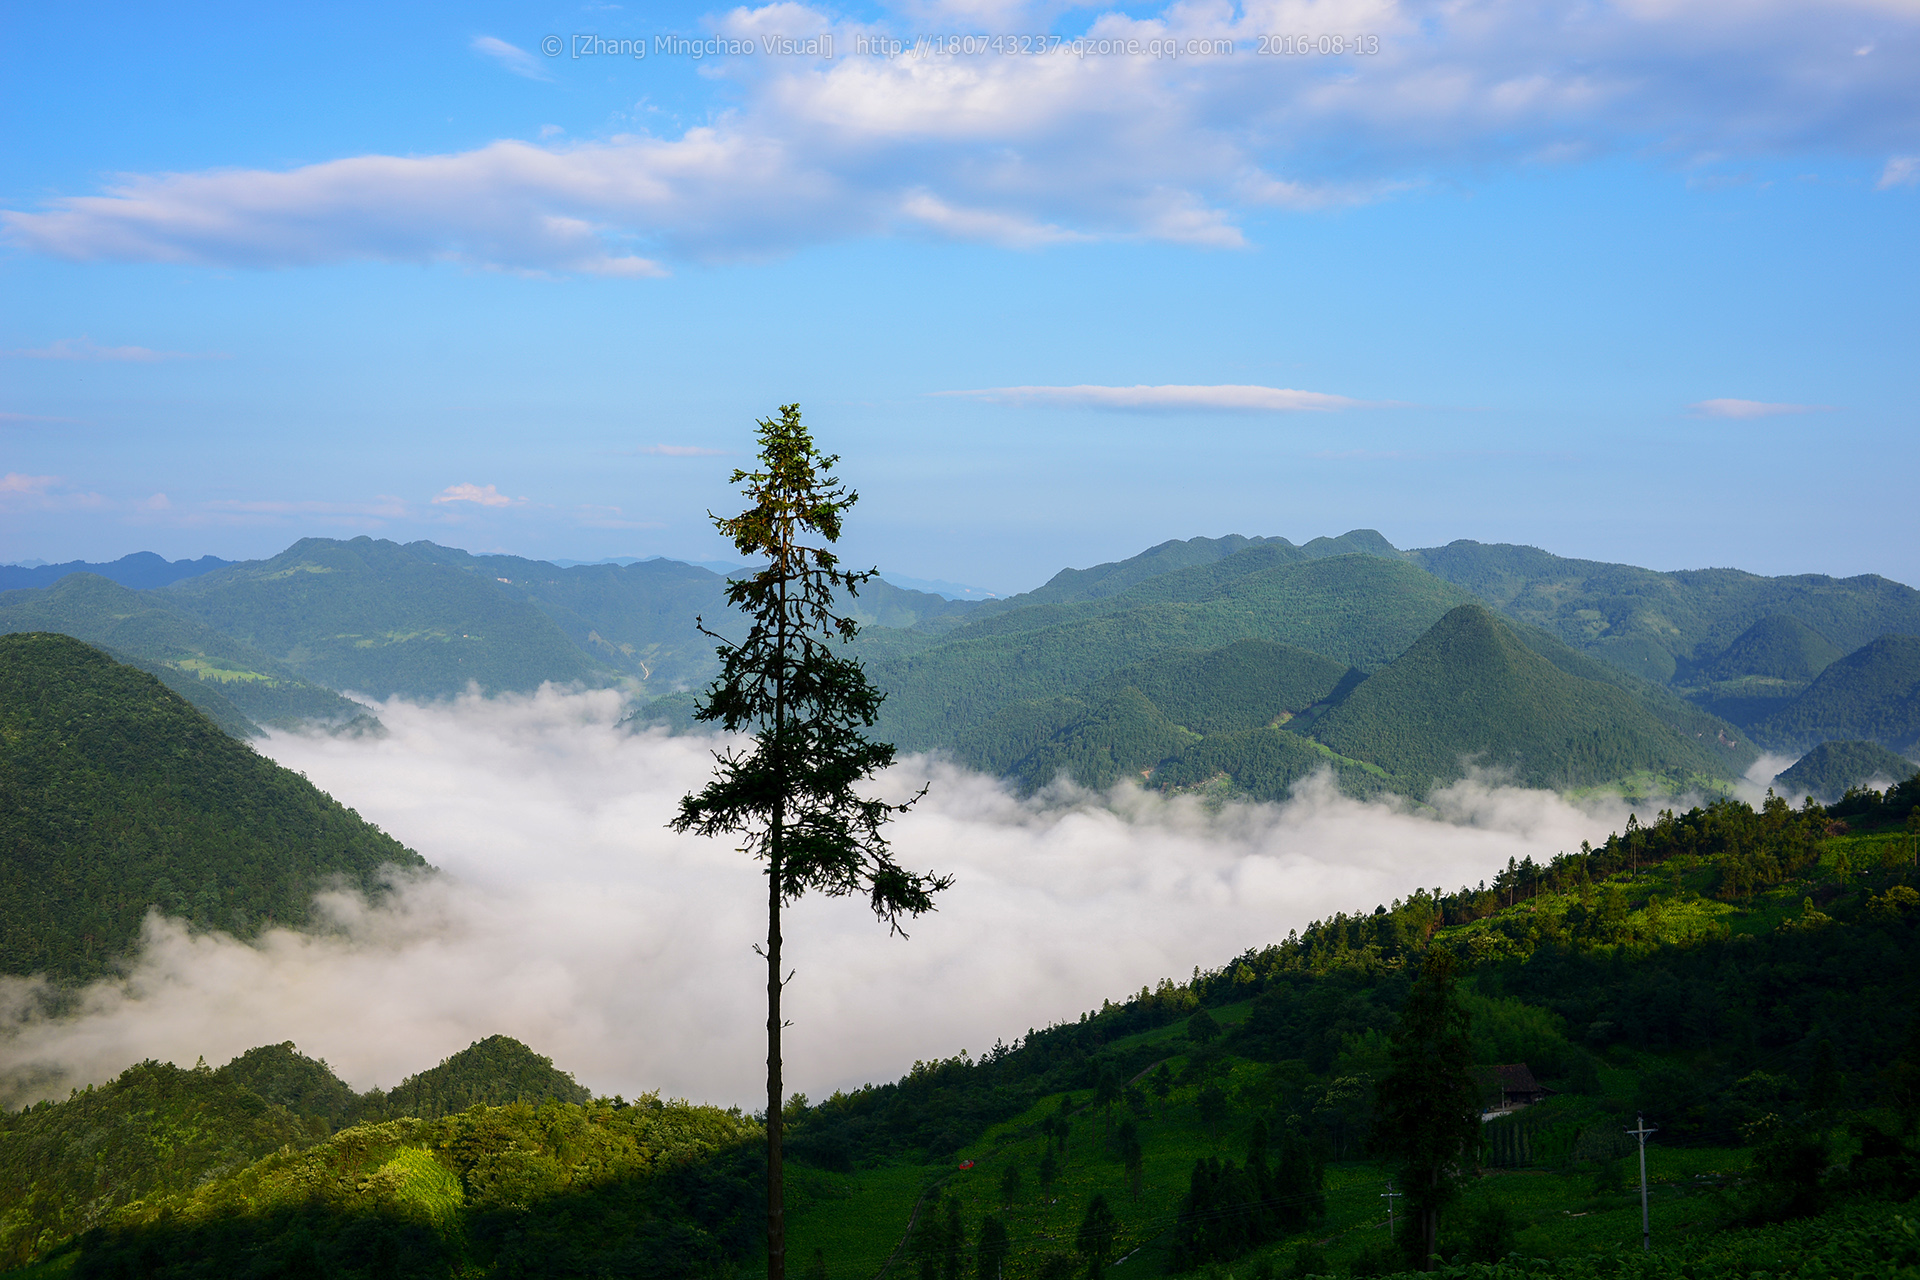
pixel 566 915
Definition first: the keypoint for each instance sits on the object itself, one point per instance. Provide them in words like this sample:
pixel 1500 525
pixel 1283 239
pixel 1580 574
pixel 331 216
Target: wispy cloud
pixel 46 493
pixel 1751 409
pixel 678 451
pixel 84 348
pixel 512 57
pixel 35 417
pixel 1901 171
pixel 1030 152
pixel 1220 399
pixel 481 495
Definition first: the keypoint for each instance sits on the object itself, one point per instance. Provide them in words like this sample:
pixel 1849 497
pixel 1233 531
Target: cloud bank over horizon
pixel 567 916
pixel 1120 134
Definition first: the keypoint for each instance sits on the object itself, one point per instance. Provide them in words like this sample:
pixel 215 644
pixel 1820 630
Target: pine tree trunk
pixel 776 1209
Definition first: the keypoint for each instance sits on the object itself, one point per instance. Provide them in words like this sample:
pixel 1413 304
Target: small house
pixel 1508 1087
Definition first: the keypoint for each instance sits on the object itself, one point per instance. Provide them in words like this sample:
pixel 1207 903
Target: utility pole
pixel 1390 1195
pixel 1646 1224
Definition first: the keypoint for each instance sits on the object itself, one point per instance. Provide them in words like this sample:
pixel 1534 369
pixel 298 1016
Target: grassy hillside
pixel 220 675
pixel 372 617
pixel 1832 769
pixel 1744 979
pixel 1468 691
pixel 1873 693
pixel 1648 622
pixel 117 795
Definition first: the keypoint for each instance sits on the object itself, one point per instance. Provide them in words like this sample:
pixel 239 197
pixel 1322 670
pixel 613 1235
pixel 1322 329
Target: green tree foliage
pixel 1010 1180
pixel 792 796
pixel 1429 1112
pixel 117 796
pixel 488 1073
pixel 68 1167
pixel 285 1077
pixel 991 1254
pixel 159 1131
pixel 1094 1240
pixel 1230 1210
pixel 1202 1028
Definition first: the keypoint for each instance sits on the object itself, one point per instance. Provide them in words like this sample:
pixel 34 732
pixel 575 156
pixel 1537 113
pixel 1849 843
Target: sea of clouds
pixel 565 914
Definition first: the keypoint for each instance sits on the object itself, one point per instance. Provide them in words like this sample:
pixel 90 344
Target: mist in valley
pixel 565 914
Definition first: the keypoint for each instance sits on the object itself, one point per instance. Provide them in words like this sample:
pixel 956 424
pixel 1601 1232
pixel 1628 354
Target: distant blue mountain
pixel 141 571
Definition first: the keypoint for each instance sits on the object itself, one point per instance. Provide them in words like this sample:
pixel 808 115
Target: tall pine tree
pixel 791 795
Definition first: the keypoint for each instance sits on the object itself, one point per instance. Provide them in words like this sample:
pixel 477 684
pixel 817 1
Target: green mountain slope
pixel 1243 685
pixel 1072 586
pixel 639 618
pixel 1649 622
pixel 1469 689
pixel 1777 648
pixel 1355 610
pixel 1873 693
pixel 1181 719
pixel 373 617
pixel 1831 769
pixel 116 794
pixel 217 673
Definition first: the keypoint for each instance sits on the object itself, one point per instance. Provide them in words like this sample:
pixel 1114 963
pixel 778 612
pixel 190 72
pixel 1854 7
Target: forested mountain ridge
pixel 141 570
pixel 1028 683
pixel 222 676
pixel 1469 691
pixel 370 617
pixel 117 795
pixel 1650 622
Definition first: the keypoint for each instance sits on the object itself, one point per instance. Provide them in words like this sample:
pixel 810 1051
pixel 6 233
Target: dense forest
pixel 117 796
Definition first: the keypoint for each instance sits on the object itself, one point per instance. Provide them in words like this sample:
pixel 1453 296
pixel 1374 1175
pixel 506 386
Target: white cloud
pixel 84 348
pixel 569 917
pixel 1037 150
pixel 512 57
pixel 485 496
pixel 1227 398
pixel 15 482
pixel 1901 171
pixel 1751 409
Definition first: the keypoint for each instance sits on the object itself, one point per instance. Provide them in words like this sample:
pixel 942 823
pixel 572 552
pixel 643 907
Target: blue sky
pixel 1634 281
